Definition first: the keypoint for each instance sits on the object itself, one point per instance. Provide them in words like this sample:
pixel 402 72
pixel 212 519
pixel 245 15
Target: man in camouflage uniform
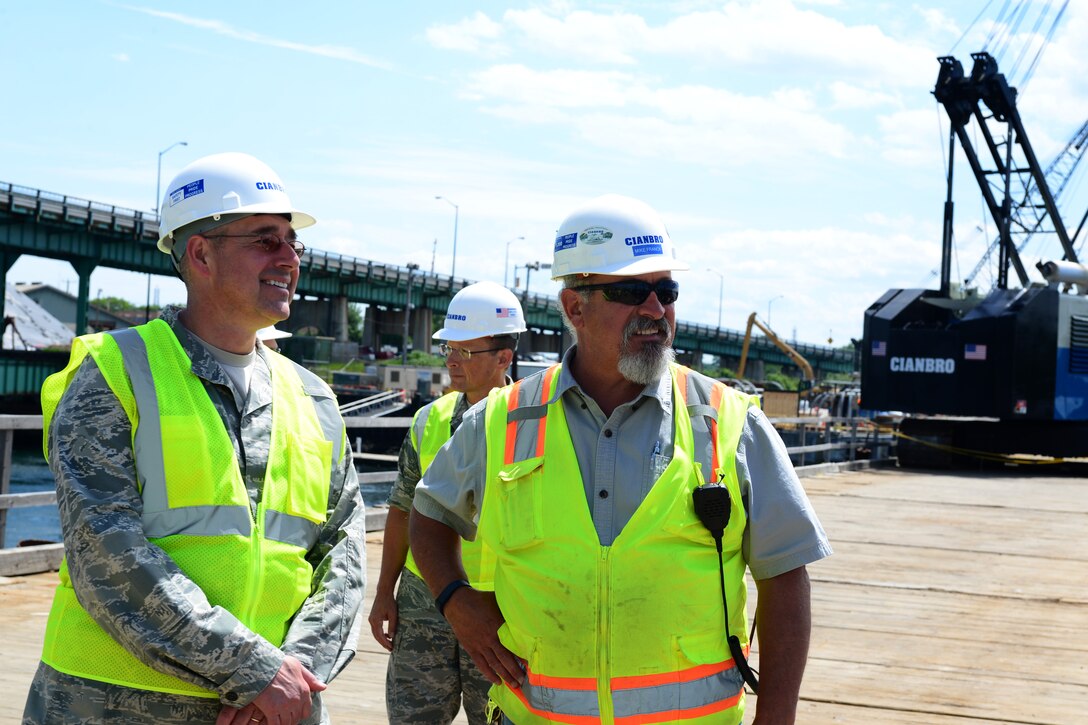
pixel 240 270
pixel 429 673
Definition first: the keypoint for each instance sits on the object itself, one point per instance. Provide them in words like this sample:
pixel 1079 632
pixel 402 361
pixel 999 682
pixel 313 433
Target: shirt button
pixel 607 432
pixel 232 696
pixel 603 494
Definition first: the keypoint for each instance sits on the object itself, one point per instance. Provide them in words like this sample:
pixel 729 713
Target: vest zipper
pixel 604 634
pixel 254 585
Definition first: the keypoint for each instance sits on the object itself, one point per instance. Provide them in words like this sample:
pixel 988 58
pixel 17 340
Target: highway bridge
pixel 89 234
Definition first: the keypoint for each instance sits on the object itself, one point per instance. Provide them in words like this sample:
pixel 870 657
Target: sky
pixel 793 147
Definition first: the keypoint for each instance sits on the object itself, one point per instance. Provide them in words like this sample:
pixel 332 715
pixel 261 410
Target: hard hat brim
pixel 299 220
pixel 631 269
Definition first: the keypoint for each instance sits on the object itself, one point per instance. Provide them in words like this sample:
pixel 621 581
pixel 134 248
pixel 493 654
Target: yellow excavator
pixel 808 376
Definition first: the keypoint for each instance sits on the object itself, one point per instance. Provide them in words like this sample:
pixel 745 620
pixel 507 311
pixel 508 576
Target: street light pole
pixel 721 287
pixel 158 177
pixel 506 262
pixel 412 267
pixel 531 266
pixel 769 308
pixel 456 213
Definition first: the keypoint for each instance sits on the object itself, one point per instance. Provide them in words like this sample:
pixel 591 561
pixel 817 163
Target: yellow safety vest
pixel 628 633
pixel 430 430
pixel 196 507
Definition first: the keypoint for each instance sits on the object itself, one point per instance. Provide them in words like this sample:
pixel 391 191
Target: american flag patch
pixel 974 352
pixel 506 312
pixel 880 348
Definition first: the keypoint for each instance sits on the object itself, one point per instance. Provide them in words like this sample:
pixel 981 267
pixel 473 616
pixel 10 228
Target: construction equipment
pixel 998 374
pixel 808 377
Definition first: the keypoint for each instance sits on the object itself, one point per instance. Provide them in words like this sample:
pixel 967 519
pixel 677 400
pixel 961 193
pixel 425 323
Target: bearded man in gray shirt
pixel 612 598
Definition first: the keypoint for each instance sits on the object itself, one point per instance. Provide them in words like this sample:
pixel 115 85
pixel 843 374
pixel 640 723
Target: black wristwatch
pixel 444 598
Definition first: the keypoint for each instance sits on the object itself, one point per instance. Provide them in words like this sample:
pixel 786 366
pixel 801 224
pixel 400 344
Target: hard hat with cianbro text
pixel 615 235
pixel 223 184
pixel 483 309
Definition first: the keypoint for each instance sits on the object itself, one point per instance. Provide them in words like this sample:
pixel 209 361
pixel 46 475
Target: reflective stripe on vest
pixel 635 632
pixel 196 507
pixel 430 431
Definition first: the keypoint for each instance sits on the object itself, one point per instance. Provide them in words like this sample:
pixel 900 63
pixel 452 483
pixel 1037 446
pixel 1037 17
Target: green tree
pixel 355 322
pixel 115 304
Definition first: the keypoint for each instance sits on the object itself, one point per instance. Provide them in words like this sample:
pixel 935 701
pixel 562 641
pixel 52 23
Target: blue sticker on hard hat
pixel 506 312
pixel 595 235
pixel 270 186
pixel 644 246
pixel 567 241
pixel 459 318
pixel 647 250
pixel 184 192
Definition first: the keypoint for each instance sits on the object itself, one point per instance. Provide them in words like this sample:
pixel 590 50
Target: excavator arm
pixel 798 359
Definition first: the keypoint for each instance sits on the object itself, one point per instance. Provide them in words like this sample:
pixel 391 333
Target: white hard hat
pixel 271 333
pixel 483 309
pixel 613 234
pixel 222 185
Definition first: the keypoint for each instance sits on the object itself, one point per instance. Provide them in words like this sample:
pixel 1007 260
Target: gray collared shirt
pixel 620 457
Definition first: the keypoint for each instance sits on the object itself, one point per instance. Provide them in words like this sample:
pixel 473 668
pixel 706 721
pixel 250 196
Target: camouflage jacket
pixel 139 595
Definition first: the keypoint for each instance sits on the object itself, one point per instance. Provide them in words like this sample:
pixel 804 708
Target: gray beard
pixel 651 362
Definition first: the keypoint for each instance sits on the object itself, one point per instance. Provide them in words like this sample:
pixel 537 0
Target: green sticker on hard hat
pixel 595 235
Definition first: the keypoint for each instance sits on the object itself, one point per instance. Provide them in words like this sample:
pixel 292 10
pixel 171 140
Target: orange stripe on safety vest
pixel 682 382
pixel 681 715
pixel 512 426
pixel 716 403
pixel 545 394
pixel 632 682
pixel 554 716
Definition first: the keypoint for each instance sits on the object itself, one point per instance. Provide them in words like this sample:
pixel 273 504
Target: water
pixel 29 473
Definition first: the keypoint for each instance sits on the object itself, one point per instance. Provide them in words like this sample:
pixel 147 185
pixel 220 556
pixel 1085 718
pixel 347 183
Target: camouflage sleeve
pixel 127 584
pixel 325 632
pixel 408 475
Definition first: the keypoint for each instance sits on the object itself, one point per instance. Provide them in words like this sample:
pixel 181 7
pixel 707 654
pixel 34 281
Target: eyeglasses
pixel 269 243
pixel 446 350
pixel 634 292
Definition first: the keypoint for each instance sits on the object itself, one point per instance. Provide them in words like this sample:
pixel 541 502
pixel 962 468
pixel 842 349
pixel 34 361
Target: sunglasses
pixel 634 292
pixel 269 243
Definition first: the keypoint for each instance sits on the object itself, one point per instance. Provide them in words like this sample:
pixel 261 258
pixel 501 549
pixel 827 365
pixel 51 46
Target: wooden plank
pixel 950 600
pixel 25 500
pixel 385 457
pixel 19 560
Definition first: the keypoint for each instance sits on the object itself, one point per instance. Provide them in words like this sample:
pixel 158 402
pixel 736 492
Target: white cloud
pixel 583 35
pixel 848 95
pixel 695 124
pixel 220 28
pixel 754 35
pixel 466 35
pixel 120 57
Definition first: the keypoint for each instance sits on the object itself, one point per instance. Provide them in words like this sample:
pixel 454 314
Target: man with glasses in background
pixel 619 590
pixel 429 674
pixel 212 521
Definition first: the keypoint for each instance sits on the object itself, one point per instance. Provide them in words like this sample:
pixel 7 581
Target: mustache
pixel 646 326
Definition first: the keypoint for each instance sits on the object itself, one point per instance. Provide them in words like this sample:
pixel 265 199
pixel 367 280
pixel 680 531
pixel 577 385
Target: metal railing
pixel 379 404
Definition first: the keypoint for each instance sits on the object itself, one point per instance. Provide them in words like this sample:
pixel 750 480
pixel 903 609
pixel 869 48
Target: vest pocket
pixel 310 461
pixel 521 498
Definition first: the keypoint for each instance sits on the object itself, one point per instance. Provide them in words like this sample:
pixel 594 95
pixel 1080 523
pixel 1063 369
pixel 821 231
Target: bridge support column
pixel 338 314
pixel 83 268
pixel 421 327
pixel 6 260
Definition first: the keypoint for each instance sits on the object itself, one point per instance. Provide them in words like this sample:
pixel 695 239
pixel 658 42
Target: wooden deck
pixel 950 600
